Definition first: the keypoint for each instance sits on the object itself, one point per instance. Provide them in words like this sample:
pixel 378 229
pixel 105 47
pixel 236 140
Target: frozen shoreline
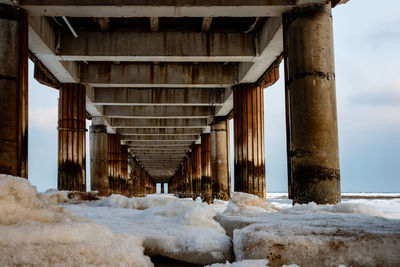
pixel 44 229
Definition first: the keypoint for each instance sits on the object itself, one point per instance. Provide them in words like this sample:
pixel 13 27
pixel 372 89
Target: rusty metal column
pixel 72 137
pixel 220 174
pixel 13 91
pixel 124 170
pixel 249 139
pixel 196 179
pixel 310 84
pixel 99 159
pixel 206 191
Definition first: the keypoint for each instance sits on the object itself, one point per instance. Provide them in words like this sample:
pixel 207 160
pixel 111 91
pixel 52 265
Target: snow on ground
pixel 117 229
pixel 35 232
pixel 353 234
pixel 180 229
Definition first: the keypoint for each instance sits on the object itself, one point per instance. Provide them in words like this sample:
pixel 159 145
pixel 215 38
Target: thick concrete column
pixel 181 180
pixel 311 97
pixel 99 159
pixel 220 173
pixel 196 170
pixel 186 177
pixel 249 139
pixel 206 190
pixel 13 91
pixel 162 188
pixel 114 166
pixel 72 137
pixel 124 170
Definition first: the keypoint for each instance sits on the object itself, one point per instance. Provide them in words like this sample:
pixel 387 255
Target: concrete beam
pixel 165 156
pixel 160 131
pixel 270 47
pixel 159 143
pixel 160 96
pixel 158 46
pixel 159 150
pixel 42 43
pixel 158 123
pixel 176 138
pixel 156 112
pixel 158 8
pixel 210 75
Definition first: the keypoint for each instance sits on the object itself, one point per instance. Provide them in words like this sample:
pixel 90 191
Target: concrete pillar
pixel 142 182
pixel 162 188
pixel 196 170
pixel 206 190
pixel 72 137
pixel 181 182
pixel 114 166
pixel 310 83
pixel 186 177
pixel 13 91
pixel 249 139
pixel 99 159
pixel 220 173
pixel 130 189
pixel 124 170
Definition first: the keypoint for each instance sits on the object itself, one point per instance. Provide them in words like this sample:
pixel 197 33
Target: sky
pixel 367 39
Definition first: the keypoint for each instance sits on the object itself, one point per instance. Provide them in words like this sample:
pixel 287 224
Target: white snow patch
pixel 245 204
pixel 36 232
pixel 317 235
pixel 180 229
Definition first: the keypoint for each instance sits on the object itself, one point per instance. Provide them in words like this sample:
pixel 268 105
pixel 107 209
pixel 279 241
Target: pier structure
pixel 160 81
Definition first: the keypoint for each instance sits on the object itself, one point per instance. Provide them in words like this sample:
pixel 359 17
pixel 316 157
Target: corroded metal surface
pixel 72 137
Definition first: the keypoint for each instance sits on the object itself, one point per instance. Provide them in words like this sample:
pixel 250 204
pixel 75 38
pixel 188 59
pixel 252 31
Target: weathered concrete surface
pixel 159 131
pixel 311 94
pixel 114 163
pixel 176 75
pixel 220 173
pixel 158 8
pixel 13 91
pixel 99 159
pixel 158 46
pixel 156 112
pixel 72 137
pixel 158 123
pixel 192 138
pixel 160 96
pixel 249 139
pixel 206 188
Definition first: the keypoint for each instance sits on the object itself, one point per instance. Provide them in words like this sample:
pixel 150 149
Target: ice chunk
pixel 245 263
pixel 244 204
pixel 311 235
pixel 36 232
pixel 181 229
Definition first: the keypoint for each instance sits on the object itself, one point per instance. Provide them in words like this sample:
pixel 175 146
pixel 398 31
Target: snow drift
pixel 180 229
pixel 312 235
pixel 34 231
